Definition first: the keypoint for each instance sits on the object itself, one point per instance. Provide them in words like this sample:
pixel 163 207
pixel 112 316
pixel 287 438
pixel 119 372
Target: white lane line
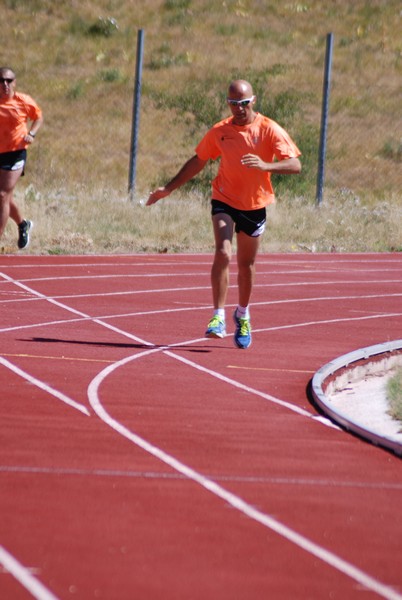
pixel 252 479
pixel 295 271
pixel 44 324
pixel 120 293
pixel 329 321
pixel 197 288
pixel 238 503
pixel 205 258
pixel 250 390
pixel 239 385
pixel 85 316
pixel 108 265
pixel 100 319
pixel 206 305
pixel 25 578
pixel 145 275
pixel 44 386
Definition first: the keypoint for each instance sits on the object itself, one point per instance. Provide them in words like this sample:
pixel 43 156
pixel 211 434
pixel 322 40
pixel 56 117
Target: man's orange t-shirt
pixel 239 186
pixel 15 112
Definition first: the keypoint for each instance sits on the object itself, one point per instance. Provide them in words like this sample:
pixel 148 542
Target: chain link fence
pixel 365 138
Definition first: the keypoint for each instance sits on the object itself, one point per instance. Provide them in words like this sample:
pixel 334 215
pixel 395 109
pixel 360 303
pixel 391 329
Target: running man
pixel 16 110
pixel 250 147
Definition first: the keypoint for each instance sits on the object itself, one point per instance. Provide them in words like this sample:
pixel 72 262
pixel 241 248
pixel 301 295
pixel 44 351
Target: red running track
pixel 141 461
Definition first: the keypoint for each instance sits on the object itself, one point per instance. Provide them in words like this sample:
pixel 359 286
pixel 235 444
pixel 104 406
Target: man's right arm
pixel 187 172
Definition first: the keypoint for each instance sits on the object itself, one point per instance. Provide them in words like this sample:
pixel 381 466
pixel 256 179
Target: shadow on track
pixel 130 345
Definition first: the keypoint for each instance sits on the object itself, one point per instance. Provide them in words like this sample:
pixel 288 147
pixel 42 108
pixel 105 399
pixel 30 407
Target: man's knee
pixel 4 196
pixel 223 256
pixel 246 268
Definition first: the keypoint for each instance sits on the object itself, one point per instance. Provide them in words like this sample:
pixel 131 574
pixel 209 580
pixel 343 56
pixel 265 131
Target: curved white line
pixel 273 524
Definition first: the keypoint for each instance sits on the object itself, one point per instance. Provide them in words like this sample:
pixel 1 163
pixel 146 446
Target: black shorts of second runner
pixel 13 161
pixel 251 222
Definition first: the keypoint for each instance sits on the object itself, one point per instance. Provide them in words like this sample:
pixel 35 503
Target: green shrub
pixel 75 91
pixel 110 75
pixel 164 58
pixel 394 395
pixel 392 150
pixel 104 27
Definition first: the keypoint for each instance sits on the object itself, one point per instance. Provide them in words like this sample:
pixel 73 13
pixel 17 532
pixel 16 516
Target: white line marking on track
pixel 24 576
pixel 329 321
pixel 197 288
pixel 239 385
pixel 272 399
pixel 289 258
pixel 366 485
pixel 43 386
pixel 272 370
pixel 44 324
pixel 100 319
pixel 238 503
pixel 75 312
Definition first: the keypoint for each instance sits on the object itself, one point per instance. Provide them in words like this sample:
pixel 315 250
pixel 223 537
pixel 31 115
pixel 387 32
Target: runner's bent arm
pixel 288 166
pixel 33 130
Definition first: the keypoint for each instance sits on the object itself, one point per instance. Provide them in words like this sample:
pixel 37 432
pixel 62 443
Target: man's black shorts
pixel 13 161
pixel 251 222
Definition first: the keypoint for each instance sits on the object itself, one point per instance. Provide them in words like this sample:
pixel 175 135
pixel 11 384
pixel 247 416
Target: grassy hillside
pixel 78 60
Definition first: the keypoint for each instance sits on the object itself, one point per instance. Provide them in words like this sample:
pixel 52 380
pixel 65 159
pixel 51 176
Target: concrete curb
pixel 350 370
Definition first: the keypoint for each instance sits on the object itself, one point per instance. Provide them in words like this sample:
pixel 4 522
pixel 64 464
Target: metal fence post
pixel 324 117
pixel 136 114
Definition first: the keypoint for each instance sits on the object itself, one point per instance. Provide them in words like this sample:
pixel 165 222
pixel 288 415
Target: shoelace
pixel 215 321
pixel 245 326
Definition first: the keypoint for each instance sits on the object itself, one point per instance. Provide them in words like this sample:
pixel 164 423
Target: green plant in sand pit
pixel 394 395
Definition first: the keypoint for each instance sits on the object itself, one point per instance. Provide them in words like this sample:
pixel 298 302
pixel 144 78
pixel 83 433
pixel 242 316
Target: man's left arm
pixel 287 166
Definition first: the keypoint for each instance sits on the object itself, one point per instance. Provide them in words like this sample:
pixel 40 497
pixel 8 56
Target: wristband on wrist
pixel 32 134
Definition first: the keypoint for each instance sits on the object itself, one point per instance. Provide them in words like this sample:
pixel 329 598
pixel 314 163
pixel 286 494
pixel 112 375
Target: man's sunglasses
pixel 6 80
pixel 244 102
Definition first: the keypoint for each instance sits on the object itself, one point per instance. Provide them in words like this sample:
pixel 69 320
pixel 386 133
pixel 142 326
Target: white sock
pixel 220 312
pixel 242 312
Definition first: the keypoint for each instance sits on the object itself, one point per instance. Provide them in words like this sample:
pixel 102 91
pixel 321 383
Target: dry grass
pixel 76 184
pixel 99 222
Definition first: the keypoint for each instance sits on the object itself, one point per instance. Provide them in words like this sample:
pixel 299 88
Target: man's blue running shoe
pixel 242 335
pixel 216 328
